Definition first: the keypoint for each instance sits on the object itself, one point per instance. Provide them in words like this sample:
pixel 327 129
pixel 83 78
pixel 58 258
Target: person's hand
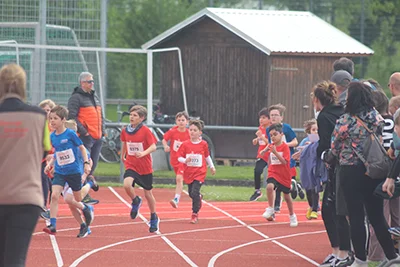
pixel 187 160
pixel 307 143
pixel 273 148
pixel 167 149
pixel 296 156
pixel 47 168
pixel 87 168
pixel 255 141
pixel 213 171
pixel 48 157
pixel 139 155
pixel 388 186
pixel 259 134
pixel 391 154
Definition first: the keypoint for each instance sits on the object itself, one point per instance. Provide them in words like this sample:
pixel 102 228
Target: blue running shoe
pixel 154 225
pixel 135 208
pixel 88 213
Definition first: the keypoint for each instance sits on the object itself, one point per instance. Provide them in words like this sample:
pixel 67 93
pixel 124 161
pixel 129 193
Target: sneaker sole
pixel 85 235
pixel 134 217
pixel 46 230
pixel 173 204
pixel 92 202
pixel 194 222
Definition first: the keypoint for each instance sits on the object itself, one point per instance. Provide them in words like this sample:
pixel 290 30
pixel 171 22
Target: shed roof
pixel 276 31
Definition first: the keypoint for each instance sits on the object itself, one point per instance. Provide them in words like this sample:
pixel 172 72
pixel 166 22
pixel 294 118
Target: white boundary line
pixel 166 240
pixel 56 249
pixel 259 233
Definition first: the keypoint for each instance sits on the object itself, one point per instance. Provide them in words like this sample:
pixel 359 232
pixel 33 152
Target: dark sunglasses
pixel 90 81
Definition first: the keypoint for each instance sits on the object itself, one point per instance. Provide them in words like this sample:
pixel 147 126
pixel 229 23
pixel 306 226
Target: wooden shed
pixel 238 61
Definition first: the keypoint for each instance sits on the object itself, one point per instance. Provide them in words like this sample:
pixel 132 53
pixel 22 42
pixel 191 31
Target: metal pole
pixel 102 102
pixel 260 4
pixel 362 24
pixel 103 43
pixel 150 87
pixel 211 3
pixel 311 6
pixel 42 28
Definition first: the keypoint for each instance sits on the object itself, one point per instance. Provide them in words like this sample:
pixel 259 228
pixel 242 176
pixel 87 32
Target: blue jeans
pixel 94 147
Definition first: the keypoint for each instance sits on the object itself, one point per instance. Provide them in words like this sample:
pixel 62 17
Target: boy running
pixel 278 154
pixel 176 136
pixel 137 144
pixel 67 166
pixel 194 154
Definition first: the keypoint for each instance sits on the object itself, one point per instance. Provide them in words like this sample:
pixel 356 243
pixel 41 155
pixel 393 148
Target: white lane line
pixel 216 256
pixel 166 240
pixel 260 233
pixel 56 249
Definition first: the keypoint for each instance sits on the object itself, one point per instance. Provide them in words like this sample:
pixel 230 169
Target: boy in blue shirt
pixel 67 166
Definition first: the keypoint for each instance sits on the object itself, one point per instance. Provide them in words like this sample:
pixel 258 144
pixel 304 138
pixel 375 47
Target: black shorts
pixel 74 180
pixel 277 185
pixel 145 181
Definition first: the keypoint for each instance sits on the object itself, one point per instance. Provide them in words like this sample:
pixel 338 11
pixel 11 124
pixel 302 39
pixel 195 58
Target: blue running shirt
pixel 67 151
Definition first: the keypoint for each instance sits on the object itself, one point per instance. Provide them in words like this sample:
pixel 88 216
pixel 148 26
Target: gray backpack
pixel 376 160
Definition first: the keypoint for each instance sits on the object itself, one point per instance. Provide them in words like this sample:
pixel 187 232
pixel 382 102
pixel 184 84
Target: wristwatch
pixel 87 162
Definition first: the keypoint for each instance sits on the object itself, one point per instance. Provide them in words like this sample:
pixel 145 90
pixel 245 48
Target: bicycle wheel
pixel 211 147
pixel 111 149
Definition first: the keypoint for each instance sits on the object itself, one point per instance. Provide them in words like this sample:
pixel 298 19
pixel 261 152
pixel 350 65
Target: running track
pixel 228 234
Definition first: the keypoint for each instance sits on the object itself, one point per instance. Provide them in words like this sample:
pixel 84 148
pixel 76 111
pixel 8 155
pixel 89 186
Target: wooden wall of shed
pixel 226 78
pixel 291 81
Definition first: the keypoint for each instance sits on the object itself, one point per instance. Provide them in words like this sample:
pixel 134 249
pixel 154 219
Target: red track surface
pixel 228 234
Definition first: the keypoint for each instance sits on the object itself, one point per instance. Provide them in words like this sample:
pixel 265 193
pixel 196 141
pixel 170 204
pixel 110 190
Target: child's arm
pixel 261 136
pixel 255 141
pixel 281 159
pixel 123 151
pixel 165 145
pixel 293 143
pixel 50 163
pixel 211 165
pixel 149 150
pixel 85 159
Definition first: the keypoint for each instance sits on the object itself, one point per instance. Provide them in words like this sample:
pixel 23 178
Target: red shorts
pixel 178 170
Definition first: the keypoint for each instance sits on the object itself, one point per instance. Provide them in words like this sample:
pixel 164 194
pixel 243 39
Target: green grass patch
pixel 111 112
pixel 223 172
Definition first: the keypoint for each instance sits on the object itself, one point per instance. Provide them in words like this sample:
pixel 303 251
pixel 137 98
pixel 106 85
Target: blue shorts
pixel 73 180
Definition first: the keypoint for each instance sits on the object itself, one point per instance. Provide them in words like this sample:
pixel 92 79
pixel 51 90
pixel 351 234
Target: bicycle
pixel 111 149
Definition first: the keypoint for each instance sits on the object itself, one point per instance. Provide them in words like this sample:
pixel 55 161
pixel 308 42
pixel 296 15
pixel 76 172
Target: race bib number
pixel 65 157
pixel 177 145
pixel 261 142
pixel 196 160
pixel 274 159
pixel 133 148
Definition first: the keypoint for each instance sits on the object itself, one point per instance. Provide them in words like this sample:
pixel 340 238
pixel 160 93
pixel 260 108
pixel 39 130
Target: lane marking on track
pixel 56 249
pixel 216 256
pixel 86 255
pixel 259 233
pixel 166 240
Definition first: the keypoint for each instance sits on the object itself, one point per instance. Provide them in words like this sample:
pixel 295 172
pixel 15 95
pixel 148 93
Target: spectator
pixel 342 80
pixel 24 137
pixel 394 84
pixel 344 63
pixel 84 107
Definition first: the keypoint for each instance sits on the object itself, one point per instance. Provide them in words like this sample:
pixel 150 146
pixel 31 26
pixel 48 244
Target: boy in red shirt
pixel 194 154
pixel 262 142
pixel 176 136
pixel 278 154
pixel 137 144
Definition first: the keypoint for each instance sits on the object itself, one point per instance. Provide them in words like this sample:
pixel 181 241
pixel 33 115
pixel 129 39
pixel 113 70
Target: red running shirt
pixel 176 139
pixel 280 172
pixel 196 169
pixel 262 145
pixel 138 142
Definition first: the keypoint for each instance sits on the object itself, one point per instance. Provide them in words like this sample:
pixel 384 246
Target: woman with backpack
pixel 349 136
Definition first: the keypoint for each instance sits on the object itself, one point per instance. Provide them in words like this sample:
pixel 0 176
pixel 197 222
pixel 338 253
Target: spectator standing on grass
pixel 261 141
pixel 84 107
pixel 24 137
pixel 337 227
pixel 137 143
pixel 195 156
pixel 394 84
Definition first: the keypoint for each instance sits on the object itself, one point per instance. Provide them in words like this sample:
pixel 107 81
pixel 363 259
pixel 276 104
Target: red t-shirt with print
pixel 138 142
pixel 261 145
pixel 176 138
pixel 280 172
pixel 196 169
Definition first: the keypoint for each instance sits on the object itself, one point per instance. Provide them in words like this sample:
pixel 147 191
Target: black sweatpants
pixel 358 192
pixel 45 185
pixel 313 199
pixel 94 147
pixel 336 226
pixel 17 223
pixel 194 194
pixel 258 170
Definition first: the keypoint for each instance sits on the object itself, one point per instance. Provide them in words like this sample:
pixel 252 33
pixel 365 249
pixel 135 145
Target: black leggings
pixel 46 185
pixel 358 192
pixel 258 170
pixel 94 147
pixel 336 226
pixel 313 199
pixel 17 223
pixel 194 193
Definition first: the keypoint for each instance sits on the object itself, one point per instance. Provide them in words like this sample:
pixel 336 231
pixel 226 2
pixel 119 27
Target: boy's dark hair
pixel 277 127
pixel 359 98
pixel 344 63
pixel 198 123
pixel 140 110
pixel 264 112
pixel 381 102
pixel 60 111
pixel 281 108
pixel 182 113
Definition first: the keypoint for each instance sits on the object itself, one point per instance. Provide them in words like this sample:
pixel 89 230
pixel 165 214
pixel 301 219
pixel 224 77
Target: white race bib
pixel 176 146
pixel 274 159
pixel 65 157
pixel 261 141
pixel 133 148
pixel 196 160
